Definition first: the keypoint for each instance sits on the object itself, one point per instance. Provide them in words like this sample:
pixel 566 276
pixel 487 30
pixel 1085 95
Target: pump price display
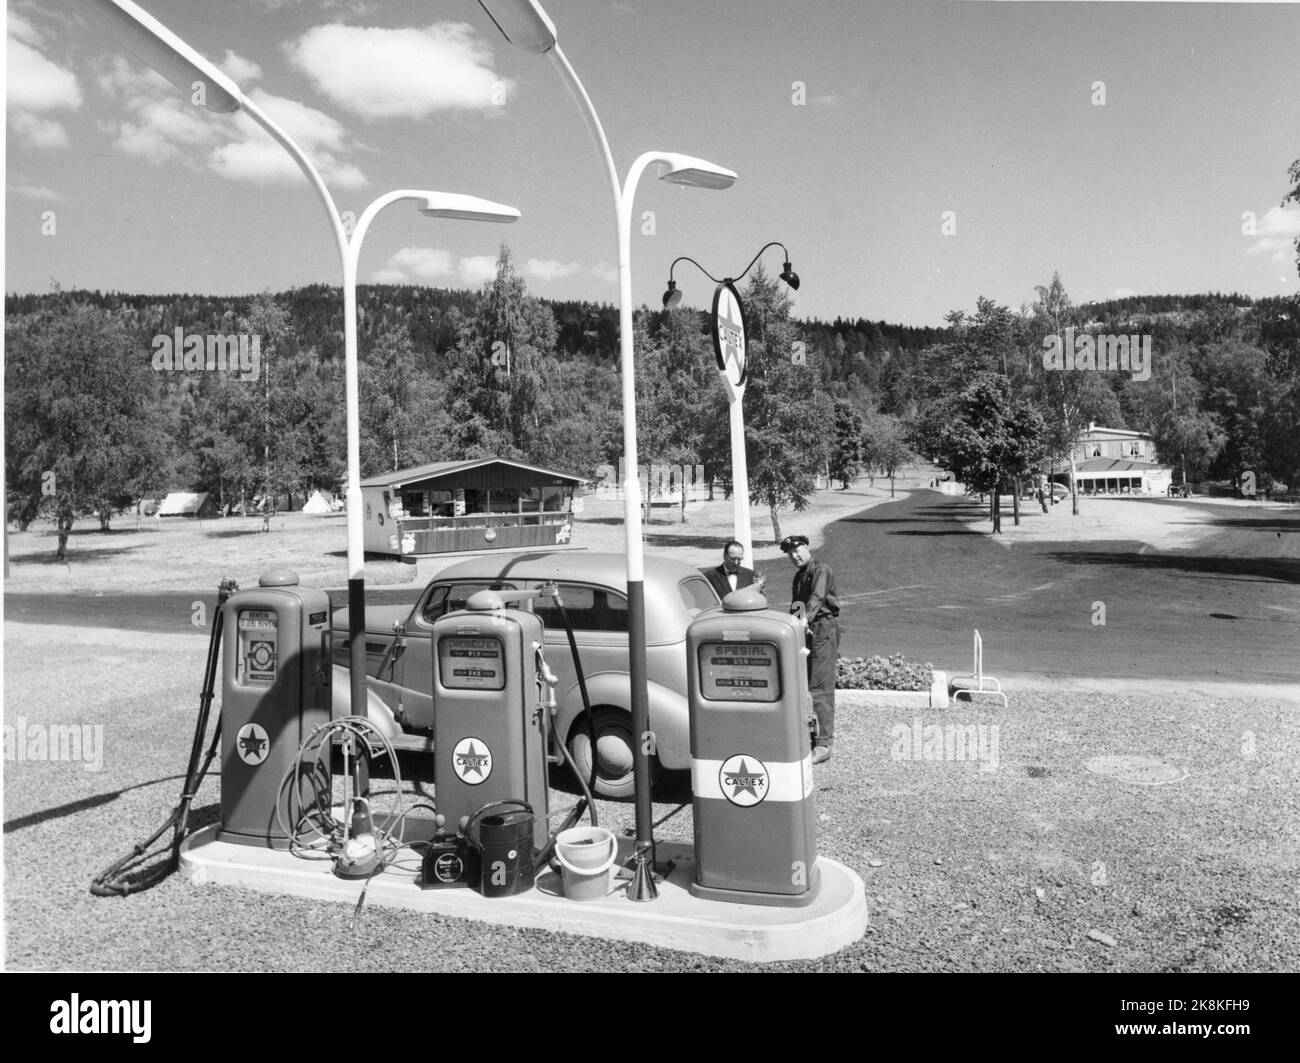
pixel 466 663
pixel 739 671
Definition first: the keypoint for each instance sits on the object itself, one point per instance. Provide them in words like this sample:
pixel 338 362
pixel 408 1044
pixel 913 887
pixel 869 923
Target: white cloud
pixel 36 192
pixel 240 69
pixel 412 264
pixel 259 159
pixel 1277 231
pixel 400 73
pixel 478 269
pixel 21 29
pixel 548 269
pixel 429 265
pixel 39 132
pixel 36 86
pixel 605 272
pixel 161 124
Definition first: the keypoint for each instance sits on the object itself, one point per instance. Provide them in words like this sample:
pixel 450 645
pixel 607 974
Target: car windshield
pixel 697 595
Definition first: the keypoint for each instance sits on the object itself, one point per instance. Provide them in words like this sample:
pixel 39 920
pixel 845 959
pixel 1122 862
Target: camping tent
pixel 318 503
pixel 188 504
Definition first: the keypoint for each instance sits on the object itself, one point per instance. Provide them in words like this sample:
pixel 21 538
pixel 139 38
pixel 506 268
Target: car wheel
pixel 614 750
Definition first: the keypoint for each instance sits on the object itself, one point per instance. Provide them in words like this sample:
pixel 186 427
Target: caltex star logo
pixel 743 783
pixel 252 743
pixel 472 760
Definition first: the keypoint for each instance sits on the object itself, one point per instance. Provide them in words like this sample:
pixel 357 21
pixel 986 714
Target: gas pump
pixel 275 691
pixel 490 724
pixel 751 755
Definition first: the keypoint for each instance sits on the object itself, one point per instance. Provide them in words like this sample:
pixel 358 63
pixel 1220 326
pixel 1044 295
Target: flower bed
pixel 883 673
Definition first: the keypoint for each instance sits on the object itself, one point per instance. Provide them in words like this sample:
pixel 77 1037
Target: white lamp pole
pixel 525 24
pixel 140 33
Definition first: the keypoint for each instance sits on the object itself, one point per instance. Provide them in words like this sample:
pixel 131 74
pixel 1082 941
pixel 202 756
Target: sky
pixel 911 156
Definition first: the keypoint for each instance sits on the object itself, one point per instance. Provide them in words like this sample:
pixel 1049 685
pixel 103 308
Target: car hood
pixel 378 618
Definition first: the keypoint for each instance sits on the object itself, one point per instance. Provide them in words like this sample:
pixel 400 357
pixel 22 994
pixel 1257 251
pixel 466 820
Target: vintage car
pixel 592 586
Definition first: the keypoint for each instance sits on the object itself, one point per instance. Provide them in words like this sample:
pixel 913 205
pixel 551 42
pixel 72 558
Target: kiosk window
pixel 467 662
pixel 739 671
pixel 589 609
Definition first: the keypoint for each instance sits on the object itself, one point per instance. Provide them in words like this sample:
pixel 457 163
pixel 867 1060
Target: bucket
pixel 586 855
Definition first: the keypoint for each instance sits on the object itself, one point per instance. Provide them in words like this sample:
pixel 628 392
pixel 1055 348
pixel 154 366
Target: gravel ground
pixel 1033 865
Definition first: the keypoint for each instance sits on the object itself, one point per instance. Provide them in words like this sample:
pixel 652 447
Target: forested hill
pixel 453 373
pixel 585 329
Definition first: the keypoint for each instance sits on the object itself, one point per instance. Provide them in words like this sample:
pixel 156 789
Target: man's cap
pixel 791 541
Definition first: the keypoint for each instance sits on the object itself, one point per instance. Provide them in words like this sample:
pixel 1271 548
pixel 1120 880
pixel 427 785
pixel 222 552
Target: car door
pixel 599 618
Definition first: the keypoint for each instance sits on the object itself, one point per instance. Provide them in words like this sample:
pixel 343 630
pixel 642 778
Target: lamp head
pixel 672 296
pixel 790 277
pixel 697 173
pixel 466 208
pixel 149 40
pixel 523 23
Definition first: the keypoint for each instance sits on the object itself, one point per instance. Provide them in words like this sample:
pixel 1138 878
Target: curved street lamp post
pixel 525 24
pixel 140 33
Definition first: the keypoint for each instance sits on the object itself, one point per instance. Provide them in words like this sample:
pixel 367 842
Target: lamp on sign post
pixel 525 24
pixel 143 35
pixel 727 324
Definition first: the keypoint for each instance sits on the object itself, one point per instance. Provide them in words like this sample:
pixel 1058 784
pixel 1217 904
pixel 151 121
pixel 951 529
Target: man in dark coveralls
pixel 813 594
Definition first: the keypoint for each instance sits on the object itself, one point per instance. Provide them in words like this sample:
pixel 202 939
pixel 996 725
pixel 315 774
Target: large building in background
pixel 1118 461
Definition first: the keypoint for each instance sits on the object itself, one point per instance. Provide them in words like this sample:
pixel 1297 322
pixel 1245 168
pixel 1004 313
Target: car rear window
pixel 697 595
pixel 589 609
pixel 449 597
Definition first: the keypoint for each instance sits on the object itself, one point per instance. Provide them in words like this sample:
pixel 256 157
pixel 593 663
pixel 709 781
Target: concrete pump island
pixel 751 887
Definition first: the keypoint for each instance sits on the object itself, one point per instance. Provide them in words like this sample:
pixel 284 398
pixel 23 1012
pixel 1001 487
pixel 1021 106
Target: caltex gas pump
pixel 751 755
pixel 490 723
pixel 275 691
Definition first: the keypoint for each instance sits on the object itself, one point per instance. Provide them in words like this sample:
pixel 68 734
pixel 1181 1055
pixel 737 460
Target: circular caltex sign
pixel 252 743
pixel 744 780
pixel 729 333
pixel 471 760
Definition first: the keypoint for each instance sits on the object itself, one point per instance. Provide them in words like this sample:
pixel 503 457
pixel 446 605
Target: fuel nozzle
pixel 547 681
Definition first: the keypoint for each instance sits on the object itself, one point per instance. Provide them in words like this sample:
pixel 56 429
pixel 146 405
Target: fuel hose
pixel 588 801
pixel 124 876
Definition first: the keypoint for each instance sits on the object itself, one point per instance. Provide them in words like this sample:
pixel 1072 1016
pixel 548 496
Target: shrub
pixel 883 673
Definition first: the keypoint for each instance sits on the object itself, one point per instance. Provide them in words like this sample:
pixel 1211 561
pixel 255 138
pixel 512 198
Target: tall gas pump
pixel 751 755
pixel 490 725
pixel 275 691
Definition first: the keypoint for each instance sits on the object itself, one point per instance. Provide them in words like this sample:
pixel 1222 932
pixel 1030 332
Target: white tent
pixel 318 503
pixel 188 504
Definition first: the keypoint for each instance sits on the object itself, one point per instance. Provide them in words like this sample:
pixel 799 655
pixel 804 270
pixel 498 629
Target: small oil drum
pixel 504 843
